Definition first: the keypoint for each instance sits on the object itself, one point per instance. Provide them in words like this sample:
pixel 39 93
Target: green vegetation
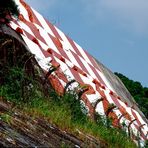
pixel 63 111
pixel 6 118
pixel 139 92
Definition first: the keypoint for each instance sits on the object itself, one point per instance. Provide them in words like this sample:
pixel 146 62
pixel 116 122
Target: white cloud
pixel 128 13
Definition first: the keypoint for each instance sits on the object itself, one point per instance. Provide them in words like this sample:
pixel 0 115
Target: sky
pixel 113 31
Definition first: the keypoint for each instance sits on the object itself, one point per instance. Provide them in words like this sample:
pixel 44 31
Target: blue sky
pixel 113 31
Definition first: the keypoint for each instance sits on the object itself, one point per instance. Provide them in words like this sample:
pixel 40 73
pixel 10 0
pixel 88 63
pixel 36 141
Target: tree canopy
pixel 139 92
pixel 8 8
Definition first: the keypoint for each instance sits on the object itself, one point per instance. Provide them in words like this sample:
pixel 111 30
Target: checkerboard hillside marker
pixel 52 47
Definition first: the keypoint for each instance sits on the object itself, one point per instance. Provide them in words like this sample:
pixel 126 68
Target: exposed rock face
pixel 20 130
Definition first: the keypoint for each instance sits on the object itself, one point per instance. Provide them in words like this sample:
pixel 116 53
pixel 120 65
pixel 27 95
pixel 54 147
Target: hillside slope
pixel 33 114
pixel 32 43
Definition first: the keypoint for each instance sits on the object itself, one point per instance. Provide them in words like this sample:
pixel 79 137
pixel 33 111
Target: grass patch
pixel 65 111
pixel 5 117
pixel 60 115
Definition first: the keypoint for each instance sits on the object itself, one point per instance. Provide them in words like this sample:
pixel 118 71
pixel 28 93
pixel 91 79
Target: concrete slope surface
pixel 74 67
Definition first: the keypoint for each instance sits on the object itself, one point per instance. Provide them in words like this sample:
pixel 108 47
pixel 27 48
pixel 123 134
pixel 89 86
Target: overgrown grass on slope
pixel 65 112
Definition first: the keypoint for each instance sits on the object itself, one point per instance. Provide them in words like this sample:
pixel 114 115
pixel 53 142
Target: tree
pixel 139 92
pixel 8 8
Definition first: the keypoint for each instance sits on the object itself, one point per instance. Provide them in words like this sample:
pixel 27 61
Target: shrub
pixel 7 8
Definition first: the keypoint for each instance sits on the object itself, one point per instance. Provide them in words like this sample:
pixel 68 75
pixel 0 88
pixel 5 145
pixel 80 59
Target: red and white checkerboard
pixel 52 47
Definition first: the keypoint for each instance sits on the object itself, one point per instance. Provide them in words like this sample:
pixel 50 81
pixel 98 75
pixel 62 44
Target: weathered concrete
pixel 119 88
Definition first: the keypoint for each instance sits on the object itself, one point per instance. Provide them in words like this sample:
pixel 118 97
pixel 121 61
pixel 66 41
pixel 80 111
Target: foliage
pixel 146 144
pixel 77 110
pixel 14 83
pixel 5 117
pixel 139 92
pixel 8 7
